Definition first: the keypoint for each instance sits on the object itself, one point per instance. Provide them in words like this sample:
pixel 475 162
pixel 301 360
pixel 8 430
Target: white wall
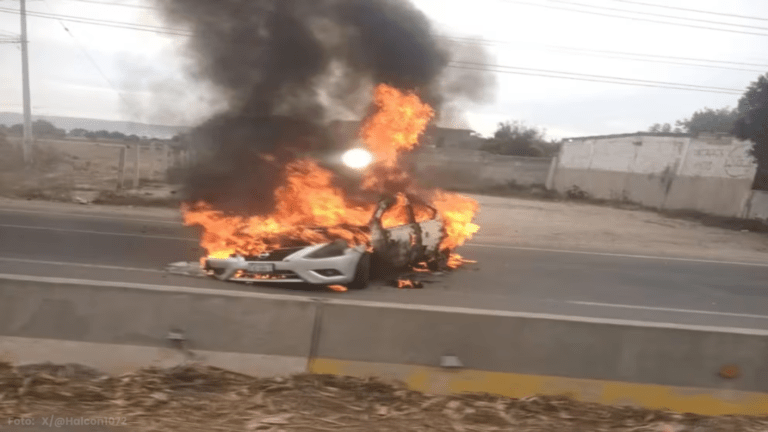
pixel 758 205
pixel 700 157
pixel 726 159
pixel 707 173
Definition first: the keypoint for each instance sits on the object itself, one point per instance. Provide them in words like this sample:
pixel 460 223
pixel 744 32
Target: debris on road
pixel 190 268
pixel 407 284
pixel 193 397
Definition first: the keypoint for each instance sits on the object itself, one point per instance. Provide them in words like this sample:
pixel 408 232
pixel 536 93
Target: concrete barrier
pixel 757 207
pixel 117 327
pixel 514 354
pixel 478 170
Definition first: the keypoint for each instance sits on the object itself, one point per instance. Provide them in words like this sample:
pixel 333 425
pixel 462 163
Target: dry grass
pixel 192 398
pixel 63 167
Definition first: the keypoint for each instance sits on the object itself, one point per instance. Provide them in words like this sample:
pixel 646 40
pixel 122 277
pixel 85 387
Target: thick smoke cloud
pixel 282 66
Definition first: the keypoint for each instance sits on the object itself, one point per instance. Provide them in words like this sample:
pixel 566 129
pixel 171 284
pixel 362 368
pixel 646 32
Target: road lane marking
pixel 379 304
pixel 618 255
pixel 485 245
pixel 87 215
pixel 71 264
pixel 664 309
pixel 98 232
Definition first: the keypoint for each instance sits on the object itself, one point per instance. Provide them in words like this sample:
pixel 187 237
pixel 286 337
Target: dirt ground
pixel 581 226
pixel 200 398
pixel 66 170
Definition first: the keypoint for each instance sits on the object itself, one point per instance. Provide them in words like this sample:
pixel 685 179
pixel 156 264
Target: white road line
pixel 485 245
pixel 663 309
pixel 70 264
pixel 84 215
pixel 99 232
pixel 376 304
pixel 619 255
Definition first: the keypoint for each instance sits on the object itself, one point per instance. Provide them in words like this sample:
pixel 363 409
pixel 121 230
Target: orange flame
pixel 455 261
pixel 311 209
pixel 400 120
pixel 457 211
pixel 408 284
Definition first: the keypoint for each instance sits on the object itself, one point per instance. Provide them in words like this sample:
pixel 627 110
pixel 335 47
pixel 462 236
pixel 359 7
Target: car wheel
pixel 362 273
pixel 220 274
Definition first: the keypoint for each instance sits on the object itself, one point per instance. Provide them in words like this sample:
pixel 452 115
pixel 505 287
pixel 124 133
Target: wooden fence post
pixel 121 168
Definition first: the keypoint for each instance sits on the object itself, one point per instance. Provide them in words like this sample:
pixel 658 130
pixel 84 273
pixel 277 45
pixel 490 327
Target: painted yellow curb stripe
pixel 442 381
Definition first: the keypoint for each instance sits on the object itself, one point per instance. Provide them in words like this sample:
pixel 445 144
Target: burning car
pixel 337 263
pixel 326 223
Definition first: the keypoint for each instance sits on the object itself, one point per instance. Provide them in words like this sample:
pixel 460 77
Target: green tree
pixel 40 129
pixel 16 130
pixel 663 128
pixel 517 139
pixel 752 124
pixel 78 132
pixel 46 129
pixel 710 121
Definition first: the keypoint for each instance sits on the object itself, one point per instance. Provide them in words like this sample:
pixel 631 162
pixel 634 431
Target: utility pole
pixel 27 139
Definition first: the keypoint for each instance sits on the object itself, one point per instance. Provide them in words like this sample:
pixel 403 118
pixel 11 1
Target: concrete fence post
pixel 550 183
pixel 166 158
pixel 137 166
pixel 121 168
pixel 152 160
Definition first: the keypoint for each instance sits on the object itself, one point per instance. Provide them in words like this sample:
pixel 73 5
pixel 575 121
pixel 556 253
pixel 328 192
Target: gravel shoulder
pixel 579 226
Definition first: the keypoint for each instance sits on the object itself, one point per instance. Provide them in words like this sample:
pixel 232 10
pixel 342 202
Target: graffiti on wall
pixel 718 160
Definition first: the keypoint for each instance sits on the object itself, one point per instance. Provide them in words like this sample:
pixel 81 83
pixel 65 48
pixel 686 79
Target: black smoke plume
pixel 281 65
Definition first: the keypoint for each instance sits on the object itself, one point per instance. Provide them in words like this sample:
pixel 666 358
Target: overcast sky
pixel 120 74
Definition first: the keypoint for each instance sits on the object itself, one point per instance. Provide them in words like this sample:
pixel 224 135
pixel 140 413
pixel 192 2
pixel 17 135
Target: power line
pixel 636 80
pixel 115 4
pixel 584 77
pixel 656 14
pixel 693 10
pixel 592 80
pixel 106 23
pixel 634 18
pixel 617 54
pixel 93 62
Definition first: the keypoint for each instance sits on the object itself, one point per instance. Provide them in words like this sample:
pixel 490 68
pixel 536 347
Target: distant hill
pixel 69 123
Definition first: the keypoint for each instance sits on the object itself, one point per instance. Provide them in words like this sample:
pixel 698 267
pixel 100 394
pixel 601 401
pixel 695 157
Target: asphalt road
pixel 659 289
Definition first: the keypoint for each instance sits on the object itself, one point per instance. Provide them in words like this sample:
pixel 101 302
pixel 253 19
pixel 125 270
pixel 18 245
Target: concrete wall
pixel 259 334
pixel 347 132
pixel 709 174
pixel 116 327
pixel 475 169
pixel 758 205
pixel 508 342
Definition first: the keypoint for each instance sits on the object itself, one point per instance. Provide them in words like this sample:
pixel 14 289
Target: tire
pixel 438 262
pixel 362 273
pixel 220 274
